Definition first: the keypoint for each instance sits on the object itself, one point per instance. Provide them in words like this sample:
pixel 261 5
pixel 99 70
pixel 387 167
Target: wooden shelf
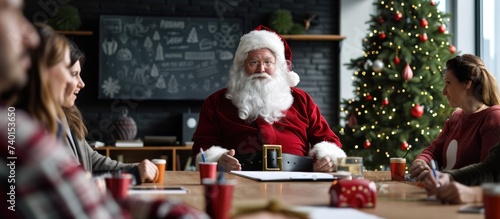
pixel 323 37
pixel 75 33
pixel 162 150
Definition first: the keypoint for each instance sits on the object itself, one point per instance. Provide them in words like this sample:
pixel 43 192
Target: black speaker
pixel 189 124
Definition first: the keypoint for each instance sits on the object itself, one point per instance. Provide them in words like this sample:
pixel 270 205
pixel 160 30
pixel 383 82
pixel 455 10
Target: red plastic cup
pixel 398 168
pixel 218 199
pixel 118 185
pixel 208 170
pixel 491 200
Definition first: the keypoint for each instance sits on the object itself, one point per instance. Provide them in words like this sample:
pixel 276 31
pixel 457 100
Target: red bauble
pixel 369 97
pixel 352 121
pixel 407 73
pixel 380 20
pixel 381 35
pixel 417 111
pixel 385 102
pixel 433 3
pixel 398 16
pixel 367 144
pixel 441 28
pixel 404 146
pixel 424 23
pixel 453 49
pixel 423 37
pixel 397 60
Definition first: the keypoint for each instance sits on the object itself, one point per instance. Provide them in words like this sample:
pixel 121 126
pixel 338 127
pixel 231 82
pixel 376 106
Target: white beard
pixel 260 95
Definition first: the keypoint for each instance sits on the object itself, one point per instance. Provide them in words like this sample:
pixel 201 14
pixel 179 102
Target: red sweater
pixel 465 139
pixel 220 125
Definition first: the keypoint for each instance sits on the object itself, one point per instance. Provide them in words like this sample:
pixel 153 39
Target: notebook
pixel 281 176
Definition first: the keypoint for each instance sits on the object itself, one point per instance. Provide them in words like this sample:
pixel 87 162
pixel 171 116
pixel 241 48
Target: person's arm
pixel 475 174
pixel 104 164
pixel 326 147
pixel 208 136
pixel 489 132
pixel 50 184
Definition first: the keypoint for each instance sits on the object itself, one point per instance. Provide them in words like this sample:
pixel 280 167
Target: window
pixel 489 35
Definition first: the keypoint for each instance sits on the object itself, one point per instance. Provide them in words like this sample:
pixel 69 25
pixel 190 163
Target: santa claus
pixel 261 105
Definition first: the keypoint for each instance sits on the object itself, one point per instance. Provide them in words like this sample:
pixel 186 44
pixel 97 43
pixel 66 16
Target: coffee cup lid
pixel 159 161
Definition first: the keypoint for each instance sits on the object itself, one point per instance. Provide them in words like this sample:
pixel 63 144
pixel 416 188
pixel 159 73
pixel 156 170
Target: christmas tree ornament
pixel 367 144
pixel 380 20
pixel 368 64
pixel 441 28
pixel 417 111
pixel 385 102
pixel 368 97
pixel 398 16
pixel 125 127
pixel 424 23
pixel 423 37
pixel 433 3
pixel 378 65
pixel 404 146
pixel 381 35
pixel 407 73
pixel 352 122
pixel 396 60
pixel 452 49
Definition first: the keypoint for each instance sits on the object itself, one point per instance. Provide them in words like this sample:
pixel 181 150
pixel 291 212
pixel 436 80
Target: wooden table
pixel 400 200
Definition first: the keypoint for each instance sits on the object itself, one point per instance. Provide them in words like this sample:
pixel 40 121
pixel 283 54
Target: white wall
pixel 353 17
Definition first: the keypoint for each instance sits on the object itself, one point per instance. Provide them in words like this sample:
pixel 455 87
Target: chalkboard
pixel 165 57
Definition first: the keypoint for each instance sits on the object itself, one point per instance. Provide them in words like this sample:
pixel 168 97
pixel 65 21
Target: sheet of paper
pixel 328 213
pixel 284 176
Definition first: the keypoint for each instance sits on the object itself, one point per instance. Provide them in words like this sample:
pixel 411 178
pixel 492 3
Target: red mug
pixel 218 199
pixel 398 168
pixel 208 170
pixel 491 200
pixel 118 185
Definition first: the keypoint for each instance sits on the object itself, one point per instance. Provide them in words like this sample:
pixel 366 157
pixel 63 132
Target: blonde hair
pixel 471 68
pixel 36 97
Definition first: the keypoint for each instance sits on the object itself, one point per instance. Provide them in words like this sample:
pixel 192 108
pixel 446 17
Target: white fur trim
pixel 327 149
pixel 211 155
pixel 259 39
pixel 293 78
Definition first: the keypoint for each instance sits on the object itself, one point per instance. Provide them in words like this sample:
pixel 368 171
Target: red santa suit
pixel 221 129
pixel 302 131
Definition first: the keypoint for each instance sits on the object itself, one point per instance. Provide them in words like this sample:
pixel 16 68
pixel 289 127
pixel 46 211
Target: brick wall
pixel 317 62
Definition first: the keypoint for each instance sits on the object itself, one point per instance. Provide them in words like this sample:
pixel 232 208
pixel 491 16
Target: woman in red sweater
pixel 473 128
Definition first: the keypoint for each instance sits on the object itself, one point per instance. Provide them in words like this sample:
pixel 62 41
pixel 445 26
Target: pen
pixel 433 166
pixel 202 155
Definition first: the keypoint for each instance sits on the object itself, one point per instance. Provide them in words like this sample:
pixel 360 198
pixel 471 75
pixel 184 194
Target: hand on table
pixel 431 184
pixel 147 170
pixel 228 162
pixel 419 170
pixel 456 193
pixel 324 164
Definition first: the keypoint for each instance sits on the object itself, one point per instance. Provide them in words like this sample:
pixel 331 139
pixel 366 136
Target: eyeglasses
pixel 253 64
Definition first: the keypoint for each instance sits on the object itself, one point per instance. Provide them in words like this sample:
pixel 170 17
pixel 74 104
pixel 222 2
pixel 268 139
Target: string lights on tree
pixel 398 83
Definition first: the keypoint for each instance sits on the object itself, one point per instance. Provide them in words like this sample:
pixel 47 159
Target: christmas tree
pixel 398 81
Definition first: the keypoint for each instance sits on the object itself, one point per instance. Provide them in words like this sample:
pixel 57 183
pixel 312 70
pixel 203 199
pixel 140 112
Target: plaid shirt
pixel 41 180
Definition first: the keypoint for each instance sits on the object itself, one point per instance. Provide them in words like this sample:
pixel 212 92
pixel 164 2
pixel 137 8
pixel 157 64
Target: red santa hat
pixel 263 37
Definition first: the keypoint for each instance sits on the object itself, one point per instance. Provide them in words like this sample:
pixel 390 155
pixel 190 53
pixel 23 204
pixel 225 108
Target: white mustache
pixel 260 75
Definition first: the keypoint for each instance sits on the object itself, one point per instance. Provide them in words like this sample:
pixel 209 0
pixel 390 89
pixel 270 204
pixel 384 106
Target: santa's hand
pixel 324 164
pixel 228 162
